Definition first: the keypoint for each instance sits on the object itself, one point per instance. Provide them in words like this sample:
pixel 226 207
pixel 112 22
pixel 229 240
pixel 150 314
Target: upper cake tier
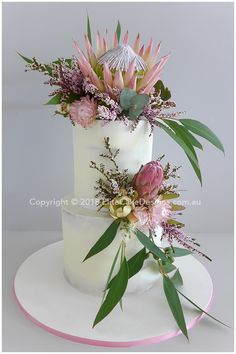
pixel 135 150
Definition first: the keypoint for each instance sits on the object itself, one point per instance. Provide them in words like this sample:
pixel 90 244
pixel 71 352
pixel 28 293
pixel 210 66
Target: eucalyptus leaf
pixel 150 245
pixel 177 279
pixel 174 304
pixel 115 293
pixel 111 271
pixel 135 264
pixel 183 141
pixel 125 97
pixel 105 240
pixel 202 130
pixel 180 252
pixel 169 267
pixel 54 100
pixel 139 101
pixel 201 310
pixel 176 126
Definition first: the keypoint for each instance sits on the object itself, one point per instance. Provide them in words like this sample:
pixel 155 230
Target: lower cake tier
pixel 81 230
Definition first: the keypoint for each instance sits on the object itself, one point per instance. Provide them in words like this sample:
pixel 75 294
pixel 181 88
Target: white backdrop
pixel 37 147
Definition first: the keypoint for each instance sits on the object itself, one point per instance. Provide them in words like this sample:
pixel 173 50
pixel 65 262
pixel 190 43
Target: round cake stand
pixel 47 299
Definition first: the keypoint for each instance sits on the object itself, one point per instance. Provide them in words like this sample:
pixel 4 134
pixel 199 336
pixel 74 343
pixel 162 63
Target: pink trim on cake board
pixel 95 342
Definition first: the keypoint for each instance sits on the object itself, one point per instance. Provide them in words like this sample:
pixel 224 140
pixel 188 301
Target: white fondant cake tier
pixel 135 150
pixel 81 230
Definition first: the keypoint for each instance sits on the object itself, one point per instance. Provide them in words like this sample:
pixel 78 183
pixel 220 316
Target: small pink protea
pixel 148 180
pixel 83 112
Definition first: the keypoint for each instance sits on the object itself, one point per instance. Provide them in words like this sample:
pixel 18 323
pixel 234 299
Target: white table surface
pixel 20 334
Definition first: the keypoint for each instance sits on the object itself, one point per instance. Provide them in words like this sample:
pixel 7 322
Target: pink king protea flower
pixel 148 180
pixel 122 65
pixel 83 112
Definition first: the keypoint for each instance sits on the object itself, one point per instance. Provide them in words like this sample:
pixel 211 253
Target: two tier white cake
pixel 83 225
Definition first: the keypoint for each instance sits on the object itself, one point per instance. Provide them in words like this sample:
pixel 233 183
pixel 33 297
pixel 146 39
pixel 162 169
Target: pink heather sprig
pixel 172 233
pixel 68 79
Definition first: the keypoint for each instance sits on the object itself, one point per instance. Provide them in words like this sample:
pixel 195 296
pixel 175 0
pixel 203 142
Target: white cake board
pixel 52 303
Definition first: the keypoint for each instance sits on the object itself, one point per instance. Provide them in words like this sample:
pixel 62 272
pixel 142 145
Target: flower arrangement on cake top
pixel 120 81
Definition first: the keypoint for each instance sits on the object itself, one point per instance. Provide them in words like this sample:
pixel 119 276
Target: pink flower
pixel 83 112
pixel 151 217
pixel 148 180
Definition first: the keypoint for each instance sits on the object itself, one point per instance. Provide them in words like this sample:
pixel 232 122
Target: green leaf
pixel 29 61
pixel 200 309
pixel 167 196
pixel 177 207
pixel 135 264
pixel 89 30
pixel 174 304
pixel 125 97
pixel 54 100
pixel 105 240
pixel 111 271
pixel 118 31
pixel 151 246
pixel 180 252
pixel 184 142
pixel 137 104
pixel 164 91
pixel 175 222
pixel 177 279
pixel 174 125
pixel 115 293
pixel 202 130
pixel 169 267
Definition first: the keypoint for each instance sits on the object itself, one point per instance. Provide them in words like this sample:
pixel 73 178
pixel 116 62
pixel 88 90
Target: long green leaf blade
pixel 186 145
pixel 111 272
pixel 174 125
pixel 200 309
pixel 151 246
pixel 118 31
pixel 89 30
pixel 115 293
pixel 174 304
pixel 105 240
pixel 135 264
pixel 202 130
pixel 29 61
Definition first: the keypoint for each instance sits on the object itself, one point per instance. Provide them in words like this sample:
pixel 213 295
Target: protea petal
pixel 126 38
pixel 152 60
pixel 107 75
pixel 130 72
pixel 84 65
pixel 105 45
pixel 136 44
pixel 132 83
pixel 92 57
pixel 152 74
pixel 99 44
pixel 118 80
pixel 115 41
pixel 95 80
pixel 141 52
pixel 148 50
pixel 80 52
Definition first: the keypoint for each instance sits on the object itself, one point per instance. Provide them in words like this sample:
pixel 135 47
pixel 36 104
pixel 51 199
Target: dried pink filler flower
pixel 151 217
pixel 148 180
pixel 83 112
